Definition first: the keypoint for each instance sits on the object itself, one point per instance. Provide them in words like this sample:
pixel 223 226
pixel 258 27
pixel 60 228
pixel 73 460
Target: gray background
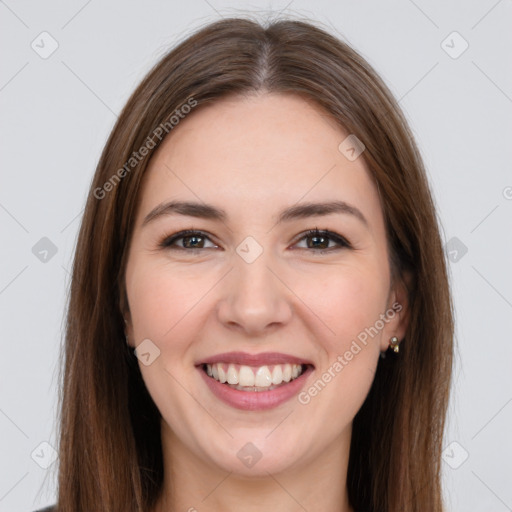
pixel 58 111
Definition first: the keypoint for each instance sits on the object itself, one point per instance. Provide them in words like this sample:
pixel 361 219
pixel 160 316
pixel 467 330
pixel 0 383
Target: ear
pixel 397 311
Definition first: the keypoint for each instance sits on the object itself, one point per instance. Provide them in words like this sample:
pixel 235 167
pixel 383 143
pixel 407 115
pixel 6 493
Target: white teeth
pixel 222 374
pixel 262 377
pixel 277 375
pixel 232 375
pixel 246 376
pixel 287 372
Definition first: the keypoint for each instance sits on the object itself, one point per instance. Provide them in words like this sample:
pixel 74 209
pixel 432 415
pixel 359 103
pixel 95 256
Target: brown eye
pixel 186 240
pixel 319 241
pixel 193 241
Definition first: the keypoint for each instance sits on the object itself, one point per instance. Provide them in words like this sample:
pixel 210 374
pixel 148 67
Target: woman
pixel 260 314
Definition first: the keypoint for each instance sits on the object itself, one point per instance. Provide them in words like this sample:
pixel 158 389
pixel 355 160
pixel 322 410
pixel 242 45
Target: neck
pixel 192 485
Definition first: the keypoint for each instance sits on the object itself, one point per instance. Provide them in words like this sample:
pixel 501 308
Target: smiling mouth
pixel 254 378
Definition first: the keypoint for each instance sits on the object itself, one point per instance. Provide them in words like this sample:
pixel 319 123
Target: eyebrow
pixel 207 211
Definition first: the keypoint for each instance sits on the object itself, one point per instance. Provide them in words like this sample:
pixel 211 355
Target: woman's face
pixel 251 296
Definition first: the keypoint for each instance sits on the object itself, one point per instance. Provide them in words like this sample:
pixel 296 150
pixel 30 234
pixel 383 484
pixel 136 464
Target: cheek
pixel 347 301
pixel 161 299
pixel 163 309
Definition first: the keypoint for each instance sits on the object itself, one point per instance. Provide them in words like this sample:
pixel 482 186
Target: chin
pixel 254 453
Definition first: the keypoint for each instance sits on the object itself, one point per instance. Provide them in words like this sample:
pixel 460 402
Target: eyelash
pixel 168 241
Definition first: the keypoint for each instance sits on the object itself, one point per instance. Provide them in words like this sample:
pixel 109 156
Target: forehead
pixel 256 151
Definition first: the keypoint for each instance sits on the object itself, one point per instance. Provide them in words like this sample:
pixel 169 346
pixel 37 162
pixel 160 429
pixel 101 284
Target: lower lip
pixel 256 400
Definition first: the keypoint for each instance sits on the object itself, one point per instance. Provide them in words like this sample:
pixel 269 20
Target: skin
pixel 254 156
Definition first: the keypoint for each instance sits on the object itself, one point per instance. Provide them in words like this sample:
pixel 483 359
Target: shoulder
pixel 51 508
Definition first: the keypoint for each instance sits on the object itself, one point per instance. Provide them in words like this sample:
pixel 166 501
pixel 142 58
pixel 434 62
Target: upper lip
pixel 265 358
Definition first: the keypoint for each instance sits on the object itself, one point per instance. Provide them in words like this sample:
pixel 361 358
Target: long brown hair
pixel 110 448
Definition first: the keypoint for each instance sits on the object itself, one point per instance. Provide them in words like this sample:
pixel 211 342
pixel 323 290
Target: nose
pixel 254 299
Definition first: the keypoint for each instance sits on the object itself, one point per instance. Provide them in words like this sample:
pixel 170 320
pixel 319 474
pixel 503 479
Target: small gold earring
pixel 393 343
